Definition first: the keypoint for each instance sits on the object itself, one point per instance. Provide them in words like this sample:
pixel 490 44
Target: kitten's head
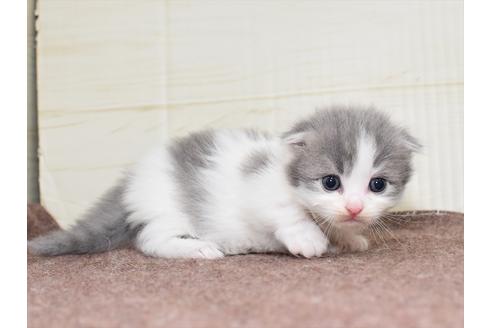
pixel 349 165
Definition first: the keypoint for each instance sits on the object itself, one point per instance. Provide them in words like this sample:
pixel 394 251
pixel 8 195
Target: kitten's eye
pixel 377 184
pixel 331 182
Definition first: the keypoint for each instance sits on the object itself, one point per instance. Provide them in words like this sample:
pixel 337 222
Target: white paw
pixel 181 248
pixel 304 239
pixel 307 247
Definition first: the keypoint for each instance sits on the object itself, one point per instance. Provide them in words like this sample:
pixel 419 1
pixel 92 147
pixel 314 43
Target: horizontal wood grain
pixel 116 77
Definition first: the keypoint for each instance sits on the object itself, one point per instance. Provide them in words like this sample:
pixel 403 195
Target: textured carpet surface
pixel 414 281
pixel 39 221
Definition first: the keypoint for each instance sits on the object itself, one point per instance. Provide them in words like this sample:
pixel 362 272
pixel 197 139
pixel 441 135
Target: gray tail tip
pixel 51 244
pixel 37 246
pixel 34 247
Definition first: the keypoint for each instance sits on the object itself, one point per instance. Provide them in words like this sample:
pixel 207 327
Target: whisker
pixel 385 227
pixel 375 233
pixel 372 233
pixel 381 234
pixel 321 222
pixel 392 220
pixel 330 227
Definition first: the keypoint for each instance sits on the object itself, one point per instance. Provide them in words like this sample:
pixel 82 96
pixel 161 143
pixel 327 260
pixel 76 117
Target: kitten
pixel 217 193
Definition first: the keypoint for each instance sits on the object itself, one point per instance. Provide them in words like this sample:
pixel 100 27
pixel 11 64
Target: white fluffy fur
pixel 260 213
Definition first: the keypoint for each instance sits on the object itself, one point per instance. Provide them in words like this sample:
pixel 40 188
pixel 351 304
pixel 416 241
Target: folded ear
pixel 411 142
pixel 297 139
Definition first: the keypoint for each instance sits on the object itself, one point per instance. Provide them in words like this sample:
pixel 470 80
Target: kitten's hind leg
pixel 175 244
pixel 184 247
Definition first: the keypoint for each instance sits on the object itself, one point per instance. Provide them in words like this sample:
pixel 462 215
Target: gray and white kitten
pixel 226 192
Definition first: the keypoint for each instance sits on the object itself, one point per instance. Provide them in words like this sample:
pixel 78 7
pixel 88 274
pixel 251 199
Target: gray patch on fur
pixel 192 154
pixel 256 162
pixel 102 228
pixel 331 141
pixel 187 237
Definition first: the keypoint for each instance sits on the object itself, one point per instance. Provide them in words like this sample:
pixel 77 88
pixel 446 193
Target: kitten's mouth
pixel 341 221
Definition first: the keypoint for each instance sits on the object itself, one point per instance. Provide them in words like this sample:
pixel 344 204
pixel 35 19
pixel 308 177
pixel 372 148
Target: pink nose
pixel 354 208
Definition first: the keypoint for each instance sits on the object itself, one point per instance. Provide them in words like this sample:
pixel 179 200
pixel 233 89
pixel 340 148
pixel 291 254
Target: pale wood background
pixel 115 77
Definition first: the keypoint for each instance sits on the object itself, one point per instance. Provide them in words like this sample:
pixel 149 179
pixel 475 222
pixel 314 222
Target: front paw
pixel 307 246
pixel 304 240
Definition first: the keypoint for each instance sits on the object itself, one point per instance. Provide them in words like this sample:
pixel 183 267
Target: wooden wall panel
pixel 118 76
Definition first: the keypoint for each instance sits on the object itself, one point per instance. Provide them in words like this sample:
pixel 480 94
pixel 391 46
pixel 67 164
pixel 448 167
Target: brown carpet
pixel 416 281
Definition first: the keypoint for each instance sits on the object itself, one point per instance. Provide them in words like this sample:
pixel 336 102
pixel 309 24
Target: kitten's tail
pixel 103 228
